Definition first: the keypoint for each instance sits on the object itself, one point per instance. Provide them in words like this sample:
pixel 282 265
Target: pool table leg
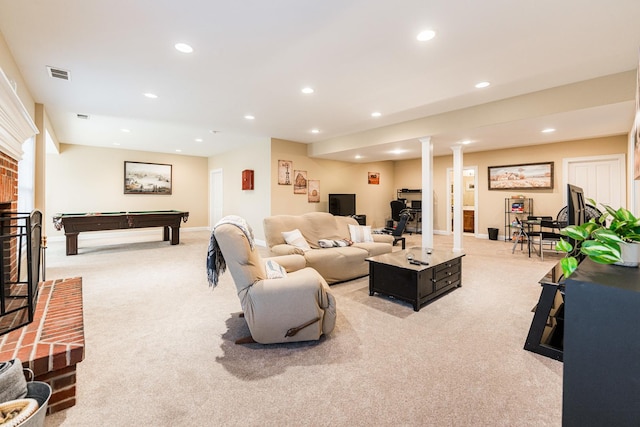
pixel 165 236
pixel 175 235
pixel 72 243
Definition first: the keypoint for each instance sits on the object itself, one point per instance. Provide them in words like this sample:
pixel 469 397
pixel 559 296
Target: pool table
pixel 98 221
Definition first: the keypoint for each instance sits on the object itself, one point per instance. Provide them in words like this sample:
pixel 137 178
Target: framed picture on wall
pixel 524 176
pixel 300 182
pixel 147 178
pixel 285 168
pixel 314 191
pixel 373 178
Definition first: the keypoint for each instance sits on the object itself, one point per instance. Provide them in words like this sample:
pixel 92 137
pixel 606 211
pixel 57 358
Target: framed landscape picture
pixel 530 176
pixel 147 178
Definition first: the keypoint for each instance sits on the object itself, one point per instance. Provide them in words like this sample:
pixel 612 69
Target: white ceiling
pixel 254 57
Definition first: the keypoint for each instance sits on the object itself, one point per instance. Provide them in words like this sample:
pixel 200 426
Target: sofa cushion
pixel 360 233
pixel 339 264
pixel 295 238
pixel 375 248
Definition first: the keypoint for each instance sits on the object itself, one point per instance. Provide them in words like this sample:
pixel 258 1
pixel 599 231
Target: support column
pixel 457 197
pixel 427 192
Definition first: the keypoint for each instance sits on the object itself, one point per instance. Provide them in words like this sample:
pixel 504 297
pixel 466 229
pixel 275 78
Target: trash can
pixel 493 234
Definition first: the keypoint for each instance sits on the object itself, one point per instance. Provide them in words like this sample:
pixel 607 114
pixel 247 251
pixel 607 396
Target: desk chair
pixel 398 208
pixel 399 230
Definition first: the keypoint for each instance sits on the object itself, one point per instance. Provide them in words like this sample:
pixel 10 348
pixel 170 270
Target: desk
pixel 415 215
pixel 76 223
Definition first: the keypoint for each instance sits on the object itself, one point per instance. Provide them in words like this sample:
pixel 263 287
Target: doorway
pixel 469 199
pixel 215 197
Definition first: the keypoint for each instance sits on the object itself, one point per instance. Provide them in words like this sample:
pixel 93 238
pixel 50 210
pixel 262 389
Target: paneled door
pixel 602 178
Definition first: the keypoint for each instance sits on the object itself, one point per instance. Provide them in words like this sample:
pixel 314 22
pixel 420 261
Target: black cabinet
pixel 602 346
pixel 362 219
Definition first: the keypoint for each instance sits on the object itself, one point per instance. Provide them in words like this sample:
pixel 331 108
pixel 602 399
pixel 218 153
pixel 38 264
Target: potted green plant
pixel 602 243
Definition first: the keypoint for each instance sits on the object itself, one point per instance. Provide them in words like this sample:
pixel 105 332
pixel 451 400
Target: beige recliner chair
pixel 298 307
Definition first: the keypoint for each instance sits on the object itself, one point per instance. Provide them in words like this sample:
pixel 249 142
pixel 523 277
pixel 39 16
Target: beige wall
pixel 491 203
pixel 90 179
pixel 252 205
pixel 10 69
pixel 335 177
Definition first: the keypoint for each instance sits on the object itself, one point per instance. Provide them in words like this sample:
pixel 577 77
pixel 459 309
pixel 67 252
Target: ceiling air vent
pixel 59 73
pixel 82 116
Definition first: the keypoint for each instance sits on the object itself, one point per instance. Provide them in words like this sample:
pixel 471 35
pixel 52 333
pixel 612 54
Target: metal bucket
pixel 41 392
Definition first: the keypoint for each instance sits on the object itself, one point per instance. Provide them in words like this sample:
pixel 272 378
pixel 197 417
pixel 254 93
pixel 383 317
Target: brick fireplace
pixel 53 343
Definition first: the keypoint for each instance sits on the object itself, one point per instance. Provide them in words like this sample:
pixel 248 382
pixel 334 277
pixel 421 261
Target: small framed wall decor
pixel 374 178
pixel 285 169
pixel 300 182
pixel 314 191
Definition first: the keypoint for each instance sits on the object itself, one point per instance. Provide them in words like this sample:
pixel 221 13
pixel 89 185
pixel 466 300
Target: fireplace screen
pixel 20 243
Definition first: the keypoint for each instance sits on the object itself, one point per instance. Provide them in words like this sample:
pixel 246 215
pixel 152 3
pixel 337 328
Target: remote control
pixel 416 262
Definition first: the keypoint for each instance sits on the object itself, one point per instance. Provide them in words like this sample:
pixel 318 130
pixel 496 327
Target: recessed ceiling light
pixel 116 143
pixel 125 130
pixel 307 90
pixel 199 140
pixel 249 117
pixel 178 150
pixel 426 35
pixel 466 142
pixel 183 47
pixel 151 95
pixel 358 156
pixel 482 85
pixel 376 114
pixel 315 131
pixel 548 130
pixel 397 151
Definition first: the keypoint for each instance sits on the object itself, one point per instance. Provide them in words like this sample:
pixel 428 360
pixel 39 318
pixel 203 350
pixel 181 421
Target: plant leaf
pixel 575 232
pixel 568 265
pixel 604 253
pixel 607 236
pixel 564 246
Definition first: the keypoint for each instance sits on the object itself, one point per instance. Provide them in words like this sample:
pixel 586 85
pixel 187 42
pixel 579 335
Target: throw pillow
pixel 274 270
pixel 294 238
pixel 360 233
pixel 329 243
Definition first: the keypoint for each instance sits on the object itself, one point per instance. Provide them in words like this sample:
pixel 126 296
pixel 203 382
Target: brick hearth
pixel 53 343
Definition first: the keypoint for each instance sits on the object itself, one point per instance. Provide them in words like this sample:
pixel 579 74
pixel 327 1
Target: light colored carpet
pixel 160 347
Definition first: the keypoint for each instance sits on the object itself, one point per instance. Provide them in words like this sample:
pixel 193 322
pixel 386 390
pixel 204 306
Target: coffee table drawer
pixel 452 280
pixel 447 269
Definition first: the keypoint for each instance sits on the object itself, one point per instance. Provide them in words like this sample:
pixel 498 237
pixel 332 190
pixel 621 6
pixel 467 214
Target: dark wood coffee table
pixel 392 274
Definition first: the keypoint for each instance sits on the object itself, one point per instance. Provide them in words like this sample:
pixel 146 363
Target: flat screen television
pixel 576 206
pixel 342 204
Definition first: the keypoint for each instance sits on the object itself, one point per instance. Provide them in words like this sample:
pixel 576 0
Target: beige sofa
pixel 335 264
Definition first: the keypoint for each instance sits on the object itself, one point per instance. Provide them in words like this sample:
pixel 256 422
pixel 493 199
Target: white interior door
pixel 601 177
pixel 215 197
